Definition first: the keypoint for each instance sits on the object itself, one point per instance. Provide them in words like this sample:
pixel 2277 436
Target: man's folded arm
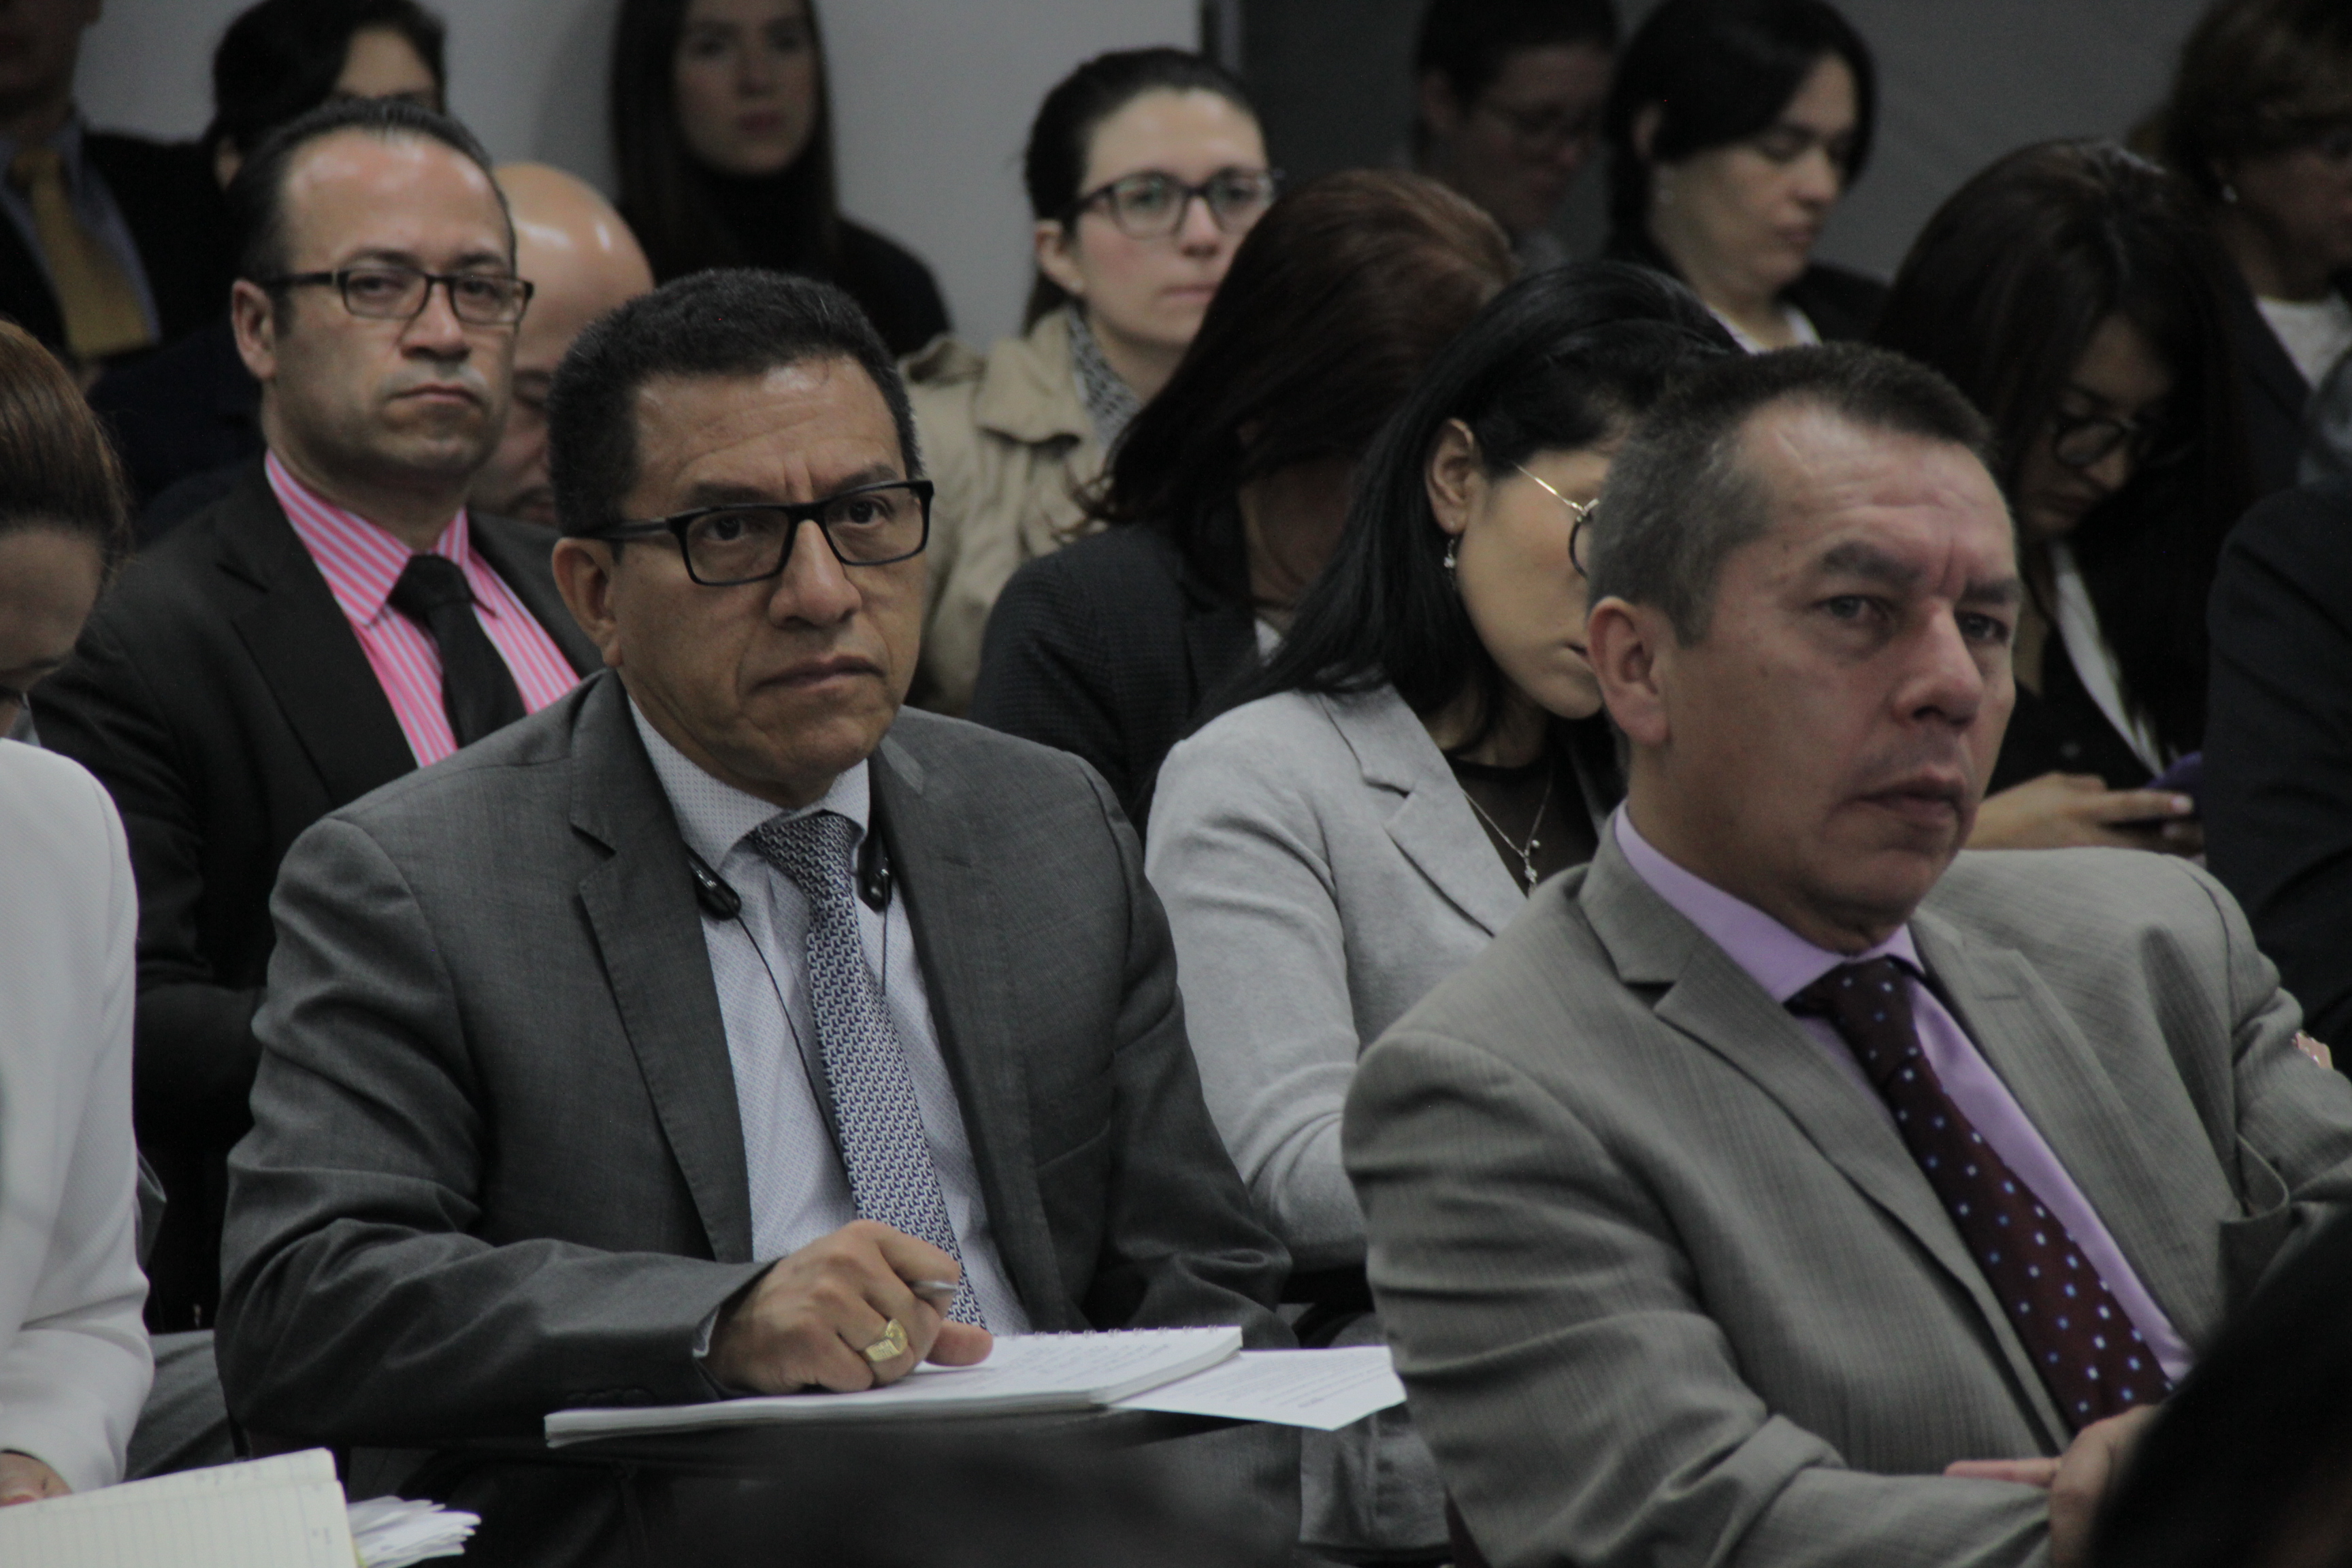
pixel 358 1305
pixel 1184 1243
pixel 194 1036
pixel 1583 1405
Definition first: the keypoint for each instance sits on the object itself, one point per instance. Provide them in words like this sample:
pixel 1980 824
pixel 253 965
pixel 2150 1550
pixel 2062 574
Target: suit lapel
pixel 640 904
pixel 1432 826
pixel 1710 997
pixel 517 552
pixel 2086 1115
pixel 959 943
pixel 304 649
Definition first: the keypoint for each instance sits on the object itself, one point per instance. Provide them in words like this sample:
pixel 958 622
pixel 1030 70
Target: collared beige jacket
pixel 1007 441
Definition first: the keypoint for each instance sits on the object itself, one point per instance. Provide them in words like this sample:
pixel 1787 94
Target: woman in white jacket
pixel 74 1358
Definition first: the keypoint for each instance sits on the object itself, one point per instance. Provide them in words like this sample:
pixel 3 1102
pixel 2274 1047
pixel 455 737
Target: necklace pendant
pixel 1531 873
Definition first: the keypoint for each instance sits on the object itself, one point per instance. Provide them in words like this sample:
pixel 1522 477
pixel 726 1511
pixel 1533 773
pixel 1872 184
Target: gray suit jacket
pixel 1322 871
pixel 1666 1288
pixel 496 1167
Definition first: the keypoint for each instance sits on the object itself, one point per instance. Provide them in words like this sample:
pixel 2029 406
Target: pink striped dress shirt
pixel 1784 964
pixel 362 562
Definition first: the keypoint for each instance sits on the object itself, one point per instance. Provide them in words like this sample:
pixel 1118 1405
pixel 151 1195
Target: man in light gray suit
pixel 1785 1187
pixel 721 1029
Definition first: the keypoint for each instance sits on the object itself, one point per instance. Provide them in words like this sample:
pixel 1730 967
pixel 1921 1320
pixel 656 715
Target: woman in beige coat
pixel 1145 168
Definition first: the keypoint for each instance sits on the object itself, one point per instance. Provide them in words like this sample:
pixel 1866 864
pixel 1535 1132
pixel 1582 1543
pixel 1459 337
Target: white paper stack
pixel 393 1533
pixel 1023 1374
pixel 281 1512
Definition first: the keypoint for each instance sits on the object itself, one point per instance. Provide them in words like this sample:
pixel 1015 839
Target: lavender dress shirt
pixel 1784 964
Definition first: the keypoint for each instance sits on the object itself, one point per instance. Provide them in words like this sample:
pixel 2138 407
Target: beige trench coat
pixel 1008 443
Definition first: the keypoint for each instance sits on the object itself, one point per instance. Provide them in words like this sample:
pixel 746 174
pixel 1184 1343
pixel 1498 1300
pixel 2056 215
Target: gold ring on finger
pixel 890 1346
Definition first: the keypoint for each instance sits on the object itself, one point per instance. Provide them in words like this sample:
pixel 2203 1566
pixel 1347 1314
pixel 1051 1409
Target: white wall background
pixel 931 102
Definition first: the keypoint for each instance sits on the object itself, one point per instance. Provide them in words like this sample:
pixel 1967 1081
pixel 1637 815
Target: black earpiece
pixel 874 874
pixel 711 890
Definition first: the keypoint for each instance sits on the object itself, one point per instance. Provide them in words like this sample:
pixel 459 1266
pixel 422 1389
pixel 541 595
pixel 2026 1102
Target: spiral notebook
pixel 1024 1373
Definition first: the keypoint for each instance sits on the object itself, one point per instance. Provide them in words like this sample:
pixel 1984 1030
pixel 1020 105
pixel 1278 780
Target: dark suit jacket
pixel 2271 390
pixel 1844 306
pixel 2278 745
pixel 2060 730
pixel 1109 649
pixel 221 696
pixel 497 1169
pixel 178 224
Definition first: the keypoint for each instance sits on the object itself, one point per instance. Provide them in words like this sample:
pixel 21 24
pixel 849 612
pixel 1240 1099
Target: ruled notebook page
pixel 281 1512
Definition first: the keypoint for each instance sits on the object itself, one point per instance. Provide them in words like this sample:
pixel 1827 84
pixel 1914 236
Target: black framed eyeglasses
pixel 1152 203
pixel 2087 440
pixel 1541 132
pixel 401 293
pixel 750 542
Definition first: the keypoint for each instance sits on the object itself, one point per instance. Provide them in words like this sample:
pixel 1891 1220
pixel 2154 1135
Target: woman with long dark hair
pixel 2259 124
pixel 722 131
pixel 2072 292
pixel 1145 170
pixel 1734 127
pixel 1226 494
pixel 1425 746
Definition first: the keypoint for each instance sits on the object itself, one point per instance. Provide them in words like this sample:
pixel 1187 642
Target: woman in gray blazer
pixel 1425 747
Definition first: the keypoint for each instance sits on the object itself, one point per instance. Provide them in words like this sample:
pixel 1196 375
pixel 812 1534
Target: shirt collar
pixel 713 816
pixel 66 140
pixel 1775 957
pixel 360 561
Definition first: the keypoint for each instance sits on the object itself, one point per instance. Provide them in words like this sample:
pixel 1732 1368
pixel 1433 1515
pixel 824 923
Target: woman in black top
pixel 722 129
pixel 1228 490
pixel 1734 127
pixel 2071 292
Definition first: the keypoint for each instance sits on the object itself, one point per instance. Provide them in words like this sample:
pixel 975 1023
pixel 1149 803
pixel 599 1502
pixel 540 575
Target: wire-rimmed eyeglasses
pixel 1151 203
pixel 750 542
pixel 1580 513
pixel 390 293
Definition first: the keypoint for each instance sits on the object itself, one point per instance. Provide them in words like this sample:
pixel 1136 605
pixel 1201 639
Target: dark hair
pixel 1061 139
pixel 666 192
pixel 1336 302
pixel 1559 361
pixel 2255 76
pixel 1680 496
pixel 1719 71
pixel 256 197
pixel 2258 1439
pixel 737 321
pixel 56 468
pixel 2002 292
pixel 1466 41
pixel 282 58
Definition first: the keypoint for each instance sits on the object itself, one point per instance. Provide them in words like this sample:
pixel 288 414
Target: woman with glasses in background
pixel 2260 124
pixel 1228 491
pixel 1734 127
pixel 1145 168
pixel 1426 745
pixel 722 134
pixel 2073 291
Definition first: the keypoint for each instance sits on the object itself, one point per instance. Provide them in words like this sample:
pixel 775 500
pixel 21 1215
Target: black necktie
pixel 2087 1350
pixel 477 690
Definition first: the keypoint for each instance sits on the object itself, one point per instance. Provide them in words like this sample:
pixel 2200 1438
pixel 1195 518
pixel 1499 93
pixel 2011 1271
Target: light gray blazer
pixel 1666 1288
pixel 1322 870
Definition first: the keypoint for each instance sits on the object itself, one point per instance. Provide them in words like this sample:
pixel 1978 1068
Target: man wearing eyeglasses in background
pixel 336 619
pixel 1507 101
pixel 724 1028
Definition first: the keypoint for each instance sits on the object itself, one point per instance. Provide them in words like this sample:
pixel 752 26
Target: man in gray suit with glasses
pixel 1785 1187
pixel 722 1028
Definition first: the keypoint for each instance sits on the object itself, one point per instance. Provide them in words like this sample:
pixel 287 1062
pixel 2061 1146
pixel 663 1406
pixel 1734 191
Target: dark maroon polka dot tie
pixel 2087 1349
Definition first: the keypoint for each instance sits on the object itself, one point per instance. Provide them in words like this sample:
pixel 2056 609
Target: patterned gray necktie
pixel 882 1142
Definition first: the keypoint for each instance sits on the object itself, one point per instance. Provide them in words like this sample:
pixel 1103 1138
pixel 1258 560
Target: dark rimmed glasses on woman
pixel 750 542
pixel 2087 440
pixel 1580 513
pixel 1151 204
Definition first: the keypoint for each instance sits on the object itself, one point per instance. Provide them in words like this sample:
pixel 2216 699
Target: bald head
pixel 583 261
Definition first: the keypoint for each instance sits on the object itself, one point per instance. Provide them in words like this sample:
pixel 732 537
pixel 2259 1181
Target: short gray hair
pixel 1681 497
